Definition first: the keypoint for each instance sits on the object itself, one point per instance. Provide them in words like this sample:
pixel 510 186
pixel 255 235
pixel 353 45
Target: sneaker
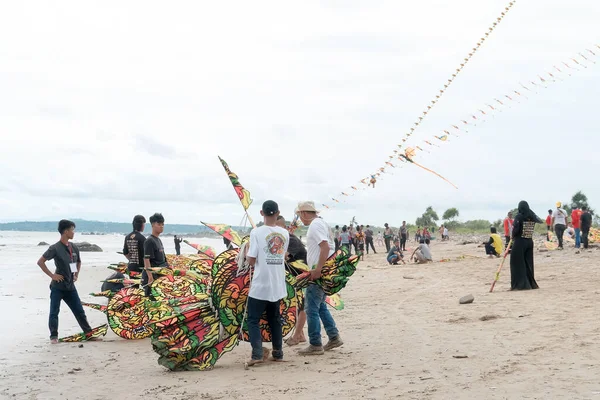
pixel 333 343
pixel 54 340
pixel 312 351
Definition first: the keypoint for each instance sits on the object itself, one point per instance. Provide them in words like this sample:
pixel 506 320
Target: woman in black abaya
pixel 521 256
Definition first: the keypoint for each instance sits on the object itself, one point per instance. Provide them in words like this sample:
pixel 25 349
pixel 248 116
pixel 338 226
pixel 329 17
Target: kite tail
pixel 435 173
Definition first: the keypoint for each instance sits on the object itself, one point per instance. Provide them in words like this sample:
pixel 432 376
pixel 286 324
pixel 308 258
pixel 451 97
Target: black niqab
pixel 526 213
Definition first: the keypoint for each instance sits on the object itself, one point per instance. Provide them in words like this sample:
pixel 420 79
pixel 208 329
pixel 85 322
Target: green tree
pixel 428 219
pixel 450 214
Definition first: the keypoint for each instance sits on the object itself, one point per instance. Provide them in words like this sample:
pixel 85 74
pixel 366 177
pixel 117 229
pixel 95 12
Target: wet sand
pixel 405 335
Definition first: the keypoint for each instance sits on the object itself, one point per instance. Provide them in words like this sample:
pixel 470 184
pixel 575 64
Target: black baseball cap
pixel 269 208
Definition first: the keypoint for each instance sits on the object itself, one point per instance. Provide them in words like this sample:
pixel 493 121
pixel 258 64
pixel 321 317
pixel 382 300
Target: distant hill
pixel 100 227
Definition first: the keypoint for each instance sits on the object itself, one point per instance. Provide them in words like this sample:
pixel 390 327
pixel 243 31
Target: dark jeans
pixel 584 237
pixel 71 297
pixel 337 244
pixel 178 250
pixel 145 286
pixel 369 242
pixel 559 229
pixel 255 310
pixel 387 244
pixel 403 241
pixel 490 250
pixel 507 238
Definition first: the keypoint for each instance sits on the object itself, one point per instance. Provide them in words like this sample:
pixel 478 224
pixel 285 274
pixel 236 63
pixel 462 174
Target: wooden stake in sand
pixel 497 277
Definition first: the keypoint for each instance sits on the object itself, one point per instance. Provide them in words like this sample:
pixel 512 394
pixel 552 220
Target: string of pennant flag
pixel 405 154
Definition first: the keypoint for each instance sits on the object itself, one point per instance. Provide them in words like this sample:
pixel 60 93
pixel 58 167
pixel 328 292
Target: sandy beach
pixel 405 333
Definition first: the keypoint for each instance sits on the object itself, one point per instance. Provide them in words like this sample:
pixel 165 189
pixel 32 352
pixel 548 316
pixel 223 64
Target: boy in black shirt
pixel 586 224
pixel 62 287
pixel 133 248
pixel 154 252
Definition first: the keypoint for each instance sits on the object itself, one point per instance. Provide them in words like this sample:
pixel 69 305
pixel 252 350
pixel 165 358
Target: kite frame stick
pixel 497 277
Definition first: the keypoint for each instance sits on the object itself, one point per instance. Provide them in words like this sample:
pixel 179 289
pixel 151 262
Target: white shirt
pixel 560 216
pixel 445 231
pixel 268 244
pixel 318 232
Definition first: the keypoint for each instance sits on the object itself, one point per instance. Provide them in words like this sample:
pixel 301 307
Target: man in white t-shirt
pixel 320 246
pixel 559 222
pixel 268 246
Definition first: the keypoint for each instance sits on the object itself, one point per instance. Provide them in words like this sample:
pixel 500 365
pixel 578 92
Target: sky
pixel 110 109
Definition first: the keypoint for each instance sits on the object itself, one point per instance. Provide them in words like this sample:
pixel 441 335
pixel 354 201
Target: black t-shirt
pixel 586 220
pixel 134 246
pixel 63 256
pixel 296 249
pixel 155 252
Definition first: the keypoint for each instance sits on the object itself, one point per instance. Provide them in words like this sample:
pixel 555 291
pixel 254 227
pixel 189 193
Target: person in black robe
pixel 521 256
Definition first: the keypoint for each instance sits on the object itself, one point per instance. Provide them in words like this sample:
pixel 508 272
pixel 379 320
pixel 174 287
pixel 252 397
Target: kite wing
pixel 226 232
pixel 242 193
pixel 82 337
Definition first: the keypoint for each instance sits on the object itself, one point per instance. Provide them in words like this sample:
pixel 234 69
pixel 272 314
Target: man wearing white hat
pixel 559 222
pixel 320 247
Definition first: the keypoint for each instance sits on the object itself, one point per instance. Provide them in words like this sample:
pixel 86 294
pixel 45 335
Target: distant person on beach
pixel 441 232
pixel 62 286
pixel 320 247
pixel 133 248
pixel 493 247
pixel 522 276
pixel 177 241
pixel 344 239
pixel 446 236
pixel 351 233
pixel 570 231
pixel 422 253
pixel 154 252
pixel 586 225
pixel 548 225
pixel 559 222
pixel 359 240
pixel 403 235
pixel 268 247
pixel 369 239
pixel 418 235
pixel 508 227
pixel 379 239
pixel 425 235
pixel 576 221
pixel 388 235
pixel 395 254
pixel 296 252
pixel 336 237
pixel 228 244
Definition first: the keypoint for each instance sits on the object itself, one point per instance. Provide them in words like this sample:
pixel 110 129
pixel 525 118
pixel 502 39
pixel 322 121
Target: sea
pixel 24 290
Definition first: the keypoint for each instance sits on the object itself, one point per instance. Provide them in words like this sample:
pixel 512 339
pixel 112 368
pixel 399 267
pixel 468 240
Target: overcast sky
pixel 109 109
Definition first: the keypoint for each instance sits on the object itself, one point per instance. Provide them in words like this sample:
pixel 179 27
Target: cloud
pixel 302 102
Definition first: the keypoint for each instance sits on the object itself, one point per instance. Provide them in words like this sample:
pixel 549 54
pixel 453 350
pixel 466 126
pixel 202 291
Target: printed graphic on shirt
pixel 132 247
pixel 275 249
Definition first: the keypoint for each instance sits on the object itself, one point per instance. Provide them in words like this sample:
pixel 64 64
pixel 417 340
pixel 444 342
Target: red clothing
pixel 549 220
pixel 576 218
pixel 508 224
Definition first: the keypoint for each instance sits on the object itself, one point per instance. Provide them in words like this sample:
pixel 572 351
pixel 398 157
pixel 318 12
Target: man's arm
pixel 323 256
pixel 251 261
pixel 148 252
pixel 126 250
pixel 42 264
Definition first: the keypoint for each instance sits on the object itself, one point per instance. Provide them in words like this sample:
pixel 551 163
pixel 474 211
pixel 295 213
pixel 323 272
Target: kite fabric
pixel 226 231
pixel 83 336
pixel 242 193
pixel 203 249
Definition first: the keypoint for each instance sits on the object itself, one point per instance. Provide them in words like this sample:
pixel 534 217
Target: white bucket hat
pixel 306 206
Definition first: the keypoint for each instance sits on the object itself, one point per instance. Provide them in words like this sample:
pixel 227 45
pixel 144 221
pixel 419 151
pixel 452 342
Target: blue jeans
pixel 577 237
pixel 71 297
pixel 316 311
pixel 256 308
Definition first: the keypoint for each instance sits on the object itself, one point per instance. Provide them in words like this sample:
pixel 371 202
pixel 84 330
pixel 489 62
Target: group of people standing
pixel 143 253
pixel 361 239
pixel 557 221
pixel 271 245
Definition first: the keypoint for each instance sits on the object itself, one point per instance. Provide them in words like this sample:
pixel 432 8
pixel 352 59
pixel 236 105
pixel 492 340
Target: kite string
pixel 433 102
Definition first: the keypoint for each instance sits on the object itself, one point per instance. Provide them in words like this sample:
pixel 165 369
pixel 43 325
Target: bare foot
pixel 54 341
